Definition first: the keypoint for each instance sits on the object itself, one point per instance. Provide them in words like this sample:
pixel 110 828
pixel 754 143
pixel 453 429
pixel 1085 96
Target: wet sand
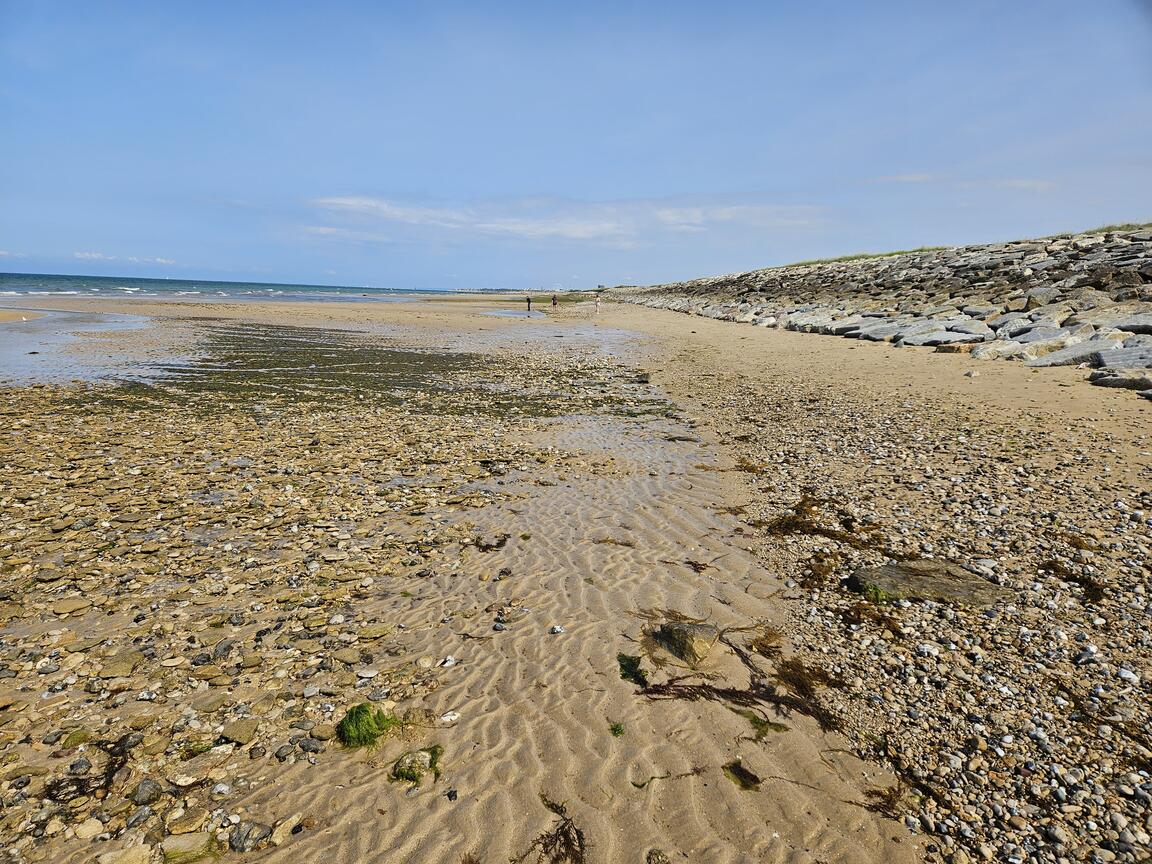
pixel 608 504
pixel 7 315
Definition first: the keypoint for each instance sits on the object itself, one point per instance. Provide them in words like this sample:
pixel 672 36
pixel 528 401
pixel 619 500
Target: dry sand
pixel 626 521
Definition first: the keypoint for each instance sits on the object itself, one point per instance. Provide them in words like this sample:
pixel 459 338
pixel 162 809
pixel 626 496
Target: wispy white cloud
pixel 700 218
pixel 1026 184
pixel 619 224
pixel 131 259
pixel 905 178
pixel 382 209
pixel 483 220
pixel 4 253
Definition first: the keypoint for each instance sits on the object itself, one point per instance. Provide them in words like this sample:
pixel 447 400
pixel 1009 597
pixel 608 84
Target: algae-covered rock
pixel 413 765
pixel 189 848
pixel 690 642
pixel 926 579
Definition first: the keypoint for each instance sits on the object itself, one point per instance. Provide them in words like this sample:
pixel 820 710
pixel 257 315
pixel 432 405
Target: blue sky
pixel 481 144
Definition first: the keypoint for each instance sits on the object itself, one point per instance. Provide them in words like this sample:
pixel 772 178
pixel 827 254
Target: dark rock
pixel 146 792
pixel 248 836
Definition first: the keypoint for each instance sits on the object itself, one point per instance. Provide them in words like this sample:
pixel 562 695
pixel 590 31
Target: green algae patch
pixel 630 669
pixel 364 725
pixel 761 726
pixel 741 776
pixel 77 737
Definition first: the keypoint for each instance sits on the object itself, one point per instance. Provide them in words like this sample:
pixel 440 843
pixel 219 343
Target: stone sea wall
pixel 1082 299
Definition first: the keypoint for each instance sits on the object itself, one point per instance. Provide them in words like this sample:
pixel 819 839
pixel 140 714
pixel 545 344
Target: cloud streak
pixel 620 224
pixel 1024 184
pixel 130 259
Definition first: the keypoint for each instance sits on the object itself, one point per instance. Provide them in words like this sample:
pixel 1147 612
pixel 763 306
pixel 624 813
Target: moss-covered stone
pixel 415 764
pixel 364 725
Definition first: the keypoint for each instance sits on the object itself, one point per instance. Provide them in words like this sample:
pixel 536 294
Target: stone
pixel 188 848
pixel 89 828
pixel 142 854
pixel 241 731
pixel 413 765
pixel 248 836
pixel 122 665
pixel 71 605
pixel 1070 355
pixel 1128 379
pixel 146 792
pixel 376 631
pixel 941 337
pixel 189 821
pixel 1136 324
pixel 1124 358
pixel 324 731
pixel 690 642
pixel 998 350
pixel 926 579
pixel 282 830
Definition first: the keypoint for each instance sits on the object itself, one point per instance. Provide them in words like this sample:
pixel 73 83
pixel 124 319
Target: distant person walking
pixel 529 299
pixel 597 304
pixel 554 302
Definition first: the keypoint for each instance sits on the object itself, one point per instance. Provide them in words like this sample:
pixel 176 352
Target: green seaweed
pixel 616 729
pixel 741 776
pixel 630 669
pixel 363 725
pixel 191 749
pixel 761 726
pixel 877 595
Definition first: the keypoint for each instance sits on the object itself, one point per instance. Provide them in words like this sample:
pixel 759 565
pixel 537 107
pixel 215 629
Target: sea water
pixel 33 285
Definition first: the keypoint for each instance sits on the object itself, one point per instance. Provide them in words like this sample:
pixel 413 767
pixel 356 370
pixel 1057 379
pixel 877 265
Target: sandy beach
pixel 595 569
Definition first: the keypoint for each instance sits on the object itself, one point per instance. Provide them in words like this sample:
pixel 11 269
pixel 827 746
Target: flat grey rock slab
pixel 1128 379
pixel 926 579
pixel 975 328
pixel 1136 324
pixel 1073 354
pixel 1123 358
pixel 942 337
pixel 1039 334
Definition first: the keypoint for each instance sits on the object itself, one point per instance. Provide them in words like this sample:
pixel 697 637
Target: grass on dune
pixel 859 256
